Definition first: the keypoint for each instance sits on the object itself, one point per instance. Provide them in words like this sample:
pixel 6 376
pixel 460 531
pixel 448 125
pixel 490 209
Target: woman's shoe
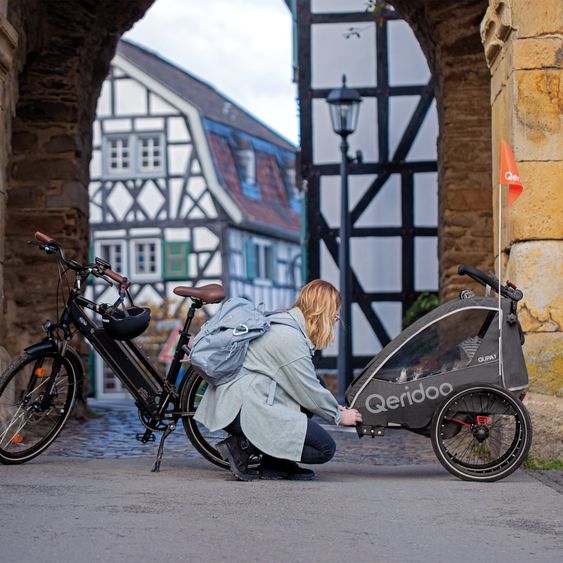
pixel 276 470
pixel 244 459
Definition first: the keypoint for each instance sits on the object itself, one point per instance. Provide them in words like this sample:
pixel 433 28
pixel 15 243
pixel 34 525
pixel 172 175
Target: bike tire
pixel 481 449
pixel 27 429
pixel 191 391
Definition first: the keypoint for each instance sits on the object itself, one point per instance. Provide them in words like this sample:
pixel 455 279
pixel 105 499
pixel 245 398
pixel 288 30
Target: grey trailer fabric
pixel 515 373
pixel 279 379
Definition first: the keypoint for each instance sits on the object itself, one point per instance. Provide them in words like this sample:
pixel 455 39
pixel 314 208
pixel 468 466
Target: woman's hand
pixel 350 417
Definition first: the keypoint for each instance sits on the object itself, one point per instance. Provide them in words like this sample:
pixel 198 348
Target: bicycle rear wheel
pixel 29 420
pixel 202 439
pixel 481 433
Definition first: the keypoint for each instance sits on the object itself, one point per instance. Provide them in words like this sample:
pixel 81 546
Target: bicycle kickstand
pixel 156 465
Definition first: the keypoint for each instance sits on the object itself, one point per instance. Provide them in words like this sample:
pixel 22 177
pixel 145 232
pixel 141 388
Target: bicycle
pixel 39 388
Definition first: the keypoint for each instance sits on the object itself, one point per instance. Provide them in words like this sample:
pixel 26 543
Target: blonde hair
pixel 319 302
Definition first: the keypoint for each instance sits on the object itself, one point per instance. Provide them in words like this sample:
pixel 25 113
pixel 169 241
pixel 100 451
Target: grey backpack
pixel 219 348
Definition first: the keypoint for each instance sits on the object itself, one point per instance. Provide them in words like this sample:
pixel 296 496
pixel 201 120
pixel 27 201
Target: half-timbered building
pixel 188 188
pixel 393 205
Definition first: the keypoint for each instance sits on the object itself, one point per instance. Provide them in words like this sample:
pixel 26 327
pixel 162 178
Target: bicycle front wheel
pixel 482 433
pixel 37 393
pixel 202 439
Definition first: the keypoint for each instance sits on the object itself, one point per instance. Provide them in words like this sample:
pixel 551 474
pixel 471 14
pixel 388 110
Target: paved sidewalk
pixel 112 436
pixel 58 509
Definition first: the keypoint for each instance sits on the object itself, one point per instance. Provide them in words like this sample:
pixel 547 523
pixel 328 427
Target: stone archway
pixel 448 33
pixel 61 69
pixel 63 55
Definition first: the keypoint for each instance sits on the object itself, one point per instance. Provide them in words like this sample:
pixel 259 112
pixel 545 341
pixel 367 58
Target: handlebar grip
pixel 42 237
pixel 116 277
pixel 477 275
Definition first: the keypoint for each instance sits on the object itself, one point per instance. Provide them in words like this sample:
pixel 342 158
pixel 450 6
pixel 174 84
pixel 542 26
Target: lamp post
pixel 344 104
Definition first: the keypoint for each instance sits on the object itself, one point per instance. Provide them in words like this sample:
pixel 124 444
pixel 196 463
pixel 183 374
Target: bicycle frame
pixel 152 392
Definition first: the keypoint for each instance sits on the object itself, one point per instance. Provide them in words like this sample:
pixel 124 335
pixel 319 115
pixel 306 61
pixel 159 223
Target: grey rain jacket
pixel 280 379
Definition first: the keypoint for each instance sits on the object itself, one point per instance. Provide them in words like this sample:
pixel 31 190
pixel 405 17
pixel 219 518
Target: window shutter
pixel 272 257
pixel 175 258
pixel 250 260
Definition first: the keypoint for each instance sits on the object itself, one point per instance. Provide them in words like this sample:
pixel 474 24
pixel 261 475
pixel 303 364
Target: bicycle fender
pixel 71 354
pixel 46 345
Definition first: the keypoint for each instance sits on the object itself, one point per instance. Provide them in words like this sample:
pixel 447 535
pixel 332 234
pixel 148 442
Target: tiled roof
pixel 212 104
pixel 273 209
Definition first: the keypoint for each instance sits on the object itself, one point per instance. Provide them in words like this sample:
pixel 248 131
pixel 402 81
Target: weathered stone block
pixel 60 143
pixel 536 268
pixel 37 111
pixel 41 170
pixel 538 103
pixel 539 17
pixel 71 194
pixel 544 358
pixel 23 141
pixel 537 53
pixel 547 425
pixel 538 212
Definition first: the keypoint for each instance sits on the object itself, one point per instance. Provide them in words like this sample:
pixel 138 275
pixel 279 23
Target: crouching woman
pixel 267 411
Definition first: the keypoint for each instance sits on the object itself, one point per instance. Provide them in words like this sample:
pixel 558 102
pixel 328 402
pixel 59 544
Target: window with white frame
pixel 146 258
pixel 113 252
pixel 260 260
pixel 149 156
pixel 119 154
pixel 141 154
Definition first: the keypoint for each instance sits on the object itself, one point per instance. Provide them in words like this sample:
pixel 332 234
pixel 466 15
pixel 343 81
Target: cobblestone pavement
pixel 111 434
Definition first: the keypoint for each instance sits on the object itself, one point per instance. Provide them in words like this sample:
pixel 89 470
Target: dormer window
pixel 247 161
pixel 246 164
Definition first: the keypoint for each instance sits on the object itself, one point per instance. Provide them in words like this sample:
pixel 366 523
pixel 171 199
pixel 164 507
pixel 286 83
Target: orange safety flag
pixel 509 173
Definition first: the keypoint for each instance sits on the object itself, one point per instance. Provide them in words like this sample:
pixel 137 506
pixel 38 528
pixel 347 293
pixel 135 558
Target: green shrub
pixel 423 304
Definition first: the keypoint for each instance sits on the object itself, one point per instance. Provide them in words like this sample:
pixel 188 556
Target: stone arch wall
pixel 63 54
pixel 449 35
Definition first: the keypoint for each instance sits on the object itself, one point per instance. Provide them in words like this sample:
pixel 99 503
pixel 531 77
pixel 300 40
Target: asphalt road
pixel 62 509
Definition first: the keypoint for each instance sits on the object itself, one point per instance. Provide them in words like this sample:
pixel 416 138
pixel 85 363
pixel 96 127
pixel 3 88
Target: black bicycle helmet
pixel 125 324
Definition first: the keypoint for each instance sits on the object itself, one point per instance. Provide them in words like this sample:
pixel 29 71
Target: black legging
pixel 319 446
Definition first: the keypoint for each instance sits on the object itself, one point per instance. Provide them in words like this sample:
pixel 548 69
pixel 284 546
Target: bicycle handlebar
pixel 46 239
pixel 116 277
pixel 509 290
pixel 42 237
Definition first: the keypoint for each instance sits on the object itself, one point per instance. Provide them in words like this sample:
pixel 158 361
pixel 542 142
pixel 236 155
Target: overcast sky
pixel 242 47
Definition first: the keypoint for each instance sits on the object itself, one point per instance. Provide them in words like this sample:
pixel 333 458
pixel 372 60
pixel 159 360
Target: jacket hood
pixel 297 315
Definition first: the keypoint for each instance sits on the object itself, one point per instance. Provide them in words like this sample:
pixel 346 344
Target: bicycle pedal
pixel 144 438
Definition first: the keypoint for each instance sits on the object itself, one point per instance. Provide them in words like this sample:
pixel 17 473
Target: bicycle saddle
pixel 211 293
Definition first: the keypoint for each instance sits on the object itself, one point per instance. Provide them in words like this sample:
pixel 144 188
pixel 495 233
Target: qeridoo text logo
pixel 376 403
pixel 511 177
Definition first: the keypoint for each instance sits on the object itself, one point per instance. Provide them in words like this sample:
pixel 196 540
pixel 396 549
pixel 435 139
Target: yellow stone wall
pixel 523 44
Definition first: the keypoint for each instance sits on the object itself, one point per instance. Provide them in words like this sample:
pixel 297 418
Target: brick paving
pixel 111 434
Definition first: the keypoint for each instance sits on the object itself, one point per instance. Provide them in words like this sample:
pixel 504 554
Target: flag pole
pixel 500 363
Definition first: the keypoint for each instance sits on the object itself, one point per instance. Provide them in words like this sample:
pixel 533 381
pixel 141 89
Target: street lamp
pixel 344 104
